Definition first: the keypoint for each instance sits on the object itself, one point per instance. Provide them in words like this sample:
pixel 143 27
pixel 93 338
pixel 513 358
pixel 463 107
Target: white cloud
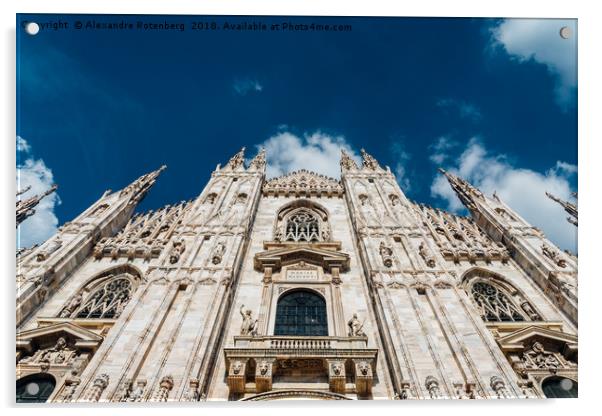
pixel 465 110
pixel 440 149
pixel 22 145
pixel 318 152
pixel 400 171
pixel 34 172
pixel 540 40
pixel 522 189
pixel 245 86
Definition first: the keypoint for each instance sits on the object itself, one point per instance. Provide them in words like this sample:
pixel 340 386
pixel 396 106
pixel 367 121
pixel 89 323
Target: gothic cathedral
pixel 296 287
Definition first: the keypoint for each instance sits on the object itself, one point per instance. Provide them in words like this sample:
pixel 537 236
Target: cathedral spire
pixel 238 160
pixel 258 161
pixel 25 208
pixel 369 161
pixel 465 191
pixel 347 163
pixel 138 189
pixel 571 209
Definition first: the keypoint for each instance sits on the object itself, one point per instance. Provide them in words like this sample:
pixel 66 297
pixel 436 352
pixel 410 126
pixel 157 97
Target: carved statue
pixel 72 306
pixel 432 385
pixel 176 251
pixel 50 248
pixel 249 325
pixel 424 253
pixel 553 255
pixel 356 327
pixel 218 253
pixel 386 253
pixel 138 392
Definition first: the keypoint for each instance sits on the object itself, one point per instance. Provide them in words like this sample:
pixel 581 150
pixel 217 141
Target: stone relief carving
pixel 355 327
pixel 73 304
pixel 138 392
pixel 249 325
pixel 386 254
pixel 165 386
pixel 59 354
pixel 537 357
pixel 192 393
pixel 99 384
pixel 499 387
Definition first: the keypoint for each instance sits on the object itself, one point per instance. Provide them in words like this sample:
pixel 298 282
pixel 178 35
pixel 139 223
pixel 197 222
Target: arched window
pixel 35 388
pixel 494 304
pixel 303 225
pixel 559 388
pixel 103 298
pixel 302 313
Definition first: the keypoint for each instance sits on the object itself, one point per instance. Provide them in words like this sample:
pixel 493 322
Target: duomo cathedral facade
pixel 296 287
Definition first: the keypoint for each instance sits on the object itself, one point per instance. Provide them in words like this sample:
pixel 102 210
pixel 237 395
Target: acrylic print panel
pixel 223 208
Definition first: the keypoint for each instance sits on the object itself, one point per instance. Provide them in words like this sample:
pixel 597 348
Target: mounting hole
pixel 32 388
pixel 565 32
pixel 32 28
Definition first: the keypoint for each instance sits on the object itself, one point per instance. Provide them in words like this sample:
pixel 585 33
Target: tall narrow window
pixel 301 313
pixel 494 304
pixel 35 388
pixel 302 226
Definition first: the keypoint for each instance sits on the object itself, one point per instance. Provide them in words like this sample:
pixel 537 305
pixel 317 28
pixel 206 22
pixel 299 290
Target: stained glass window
pixel 301 313
pixel 494 304
pixel 107 301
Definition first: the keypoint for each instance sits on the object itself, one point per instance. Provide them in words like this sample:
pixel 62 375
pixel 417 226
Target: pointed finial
pixel 347 162
pixel 140 186
pixel 258 161
pixel 568 207
pixel 465 191
pixel 237 160
pixel 25 208
pixel 369 161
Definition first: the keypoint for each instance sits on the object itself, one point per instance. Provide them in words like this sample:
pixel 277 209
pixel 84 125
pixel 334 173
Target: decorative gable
pixel 303 183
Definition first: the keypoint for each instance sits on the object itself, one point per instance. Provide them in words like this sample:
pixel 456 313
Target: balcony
pixel 266 359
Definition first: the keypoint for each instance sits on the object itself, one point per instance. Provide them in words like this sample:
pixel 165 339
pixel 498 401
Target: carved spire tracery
pixel 465 191
pixel 139 188
pixel 145 235
pixel 237 161
pixel 26 208
pixel 570 208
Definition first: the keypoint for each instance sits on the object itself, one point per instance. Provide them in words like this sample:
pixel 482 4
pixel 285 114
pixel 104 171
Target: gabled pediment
pixel 307 253
pixel 39 337
pixel 521 339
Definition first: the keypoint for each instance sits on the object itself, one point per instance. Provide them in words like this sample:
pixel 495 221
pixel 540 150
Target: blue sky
pixel 494 100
